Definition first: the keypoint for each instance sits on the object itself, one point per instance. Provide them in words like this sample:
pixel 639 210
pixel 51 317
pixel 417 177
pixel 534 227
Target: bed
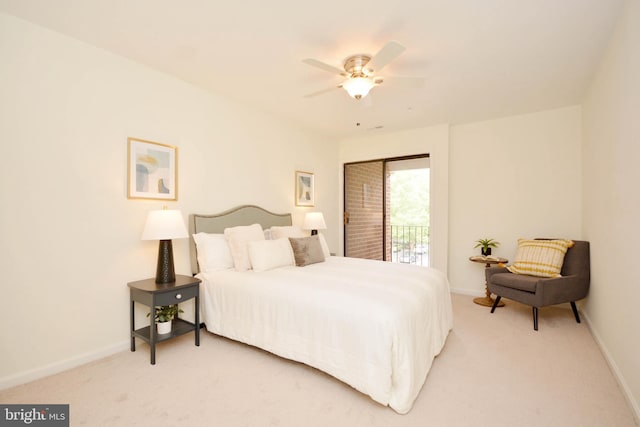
pixel 374 325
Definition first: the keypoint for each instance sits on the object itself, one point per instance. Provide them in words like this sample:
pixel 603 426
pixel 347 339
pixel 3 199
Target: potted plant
pixel 164 315
pixel 486 245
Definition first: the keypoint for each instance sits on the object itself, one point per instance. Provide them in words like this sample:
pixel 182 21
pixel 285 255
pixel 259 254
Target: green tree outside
pixel 410 207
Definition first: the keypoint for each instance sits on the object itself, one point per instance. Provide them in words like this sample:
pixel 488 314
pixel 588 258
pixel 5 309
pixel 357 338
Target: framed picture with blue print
pixel 152 170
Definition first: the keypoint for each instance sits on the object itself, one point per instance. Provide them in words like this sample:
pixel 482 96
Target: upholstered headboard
pixel 241 215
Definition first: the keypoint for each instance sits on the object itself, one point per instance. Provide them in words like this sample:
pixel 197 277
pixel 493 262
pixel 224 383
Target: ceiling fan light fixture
pixel 358 87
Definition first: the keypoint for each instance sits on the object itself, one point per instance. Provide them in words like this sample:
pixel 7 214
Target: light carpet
pixel 495 370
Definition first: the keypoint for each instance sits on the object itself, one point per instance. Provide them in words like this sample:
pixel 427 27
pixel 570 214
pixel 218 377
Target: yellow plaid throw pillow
pixel 542 258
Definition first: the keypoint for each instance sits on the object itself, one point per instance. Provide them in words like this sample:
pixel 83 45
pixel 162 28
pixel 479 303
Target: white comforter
pixel 374 325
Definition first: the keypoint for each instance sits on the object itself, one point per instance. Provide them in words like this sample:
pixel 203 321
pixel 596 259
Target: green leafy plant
pixel 485 244
pixel 166 313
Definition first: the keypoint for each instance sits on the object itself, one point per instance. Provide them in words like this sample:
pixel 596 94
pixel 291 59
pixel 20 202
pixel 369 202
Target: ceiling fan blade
pixel 323 66
pixel 322 92
pixel 388 53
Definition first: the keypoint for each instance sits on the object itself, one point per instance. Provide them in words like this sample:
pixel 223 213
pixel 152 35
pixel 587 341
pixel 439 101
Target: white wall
pixel 513 177
pixel 612 201
pixel 70 237
pixel 432 140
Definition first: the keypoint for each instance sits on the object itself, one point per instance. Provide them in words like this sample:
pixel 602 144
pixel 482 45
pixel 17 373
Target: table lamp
pixel 314 221
pixel 164 225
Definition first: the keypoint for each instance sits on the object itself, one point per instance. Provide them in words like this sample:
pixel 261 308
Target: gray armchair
pixel 541 292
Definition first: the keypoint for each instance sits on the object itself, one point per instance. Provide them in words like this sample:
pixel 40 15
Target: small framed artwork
pixel 152 170
pixel 304 189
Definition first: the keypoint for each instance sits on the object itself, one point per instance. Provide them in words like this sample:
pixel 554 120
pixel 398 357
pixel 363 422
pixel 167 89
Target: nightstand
pixel 152 294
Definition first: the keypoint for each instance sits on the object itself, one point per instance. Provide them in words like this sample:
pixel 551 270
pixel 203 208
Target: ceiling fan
pixel 361 70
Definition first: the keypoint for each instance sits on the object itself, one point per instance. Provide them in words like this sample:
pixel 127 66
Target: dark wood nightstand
pixel 152 294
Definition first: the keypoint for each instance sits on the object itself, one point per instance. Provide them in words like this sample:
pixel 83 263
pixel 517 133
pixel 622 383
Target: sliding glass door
pixel 387 207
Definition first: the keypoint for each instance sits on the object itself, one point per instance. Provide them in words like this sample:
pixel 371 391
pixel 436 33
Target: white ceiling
pixel 481 59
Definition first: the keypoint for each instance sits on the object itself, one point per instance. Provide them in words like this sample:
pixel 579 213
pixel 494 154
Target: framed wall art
pixel 304 189
pixel 152 170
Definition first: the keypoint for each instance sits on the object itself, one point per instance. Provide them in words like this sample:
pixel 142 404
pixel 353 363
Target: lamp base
pixel 314 232
pixel 165 272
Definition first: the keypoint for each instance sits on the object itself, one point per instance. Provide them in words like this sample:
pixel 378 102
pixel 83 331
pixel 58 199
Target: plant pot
pixel 164 327
pixel 486 252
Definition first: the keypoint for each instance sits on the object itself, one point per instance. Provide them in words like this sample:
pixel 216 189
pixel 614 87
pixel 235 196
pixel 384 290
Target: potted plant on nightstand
pixel 164 315
pixel 486 245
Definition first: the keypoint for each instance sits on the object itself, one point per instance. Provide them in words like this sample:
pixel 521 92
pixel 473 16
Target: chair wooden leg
pixel 535 318
pixel 575 311
pixel 495 303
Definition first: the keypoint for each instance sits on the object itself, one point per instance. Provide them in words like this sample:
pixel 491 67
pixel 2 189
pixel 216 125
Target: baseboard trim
pixel 626 391
pixel 64 365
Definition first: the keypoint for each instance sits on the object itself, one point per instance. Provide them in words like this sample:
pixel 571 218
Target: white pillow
pixel 238 238
pixel 269 254
pixel 213 252
pixel 278 232
pixel 323 244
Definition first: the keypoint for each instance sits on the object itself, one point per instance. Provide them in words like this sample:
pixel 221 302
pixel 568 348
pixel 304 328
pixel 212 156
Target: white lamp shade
pixel 314 221
pixel 164 225
pixel 358 87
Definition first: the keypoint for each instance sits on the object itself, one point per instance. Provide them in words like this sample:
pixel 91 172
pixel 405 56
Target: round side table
pixel 487 301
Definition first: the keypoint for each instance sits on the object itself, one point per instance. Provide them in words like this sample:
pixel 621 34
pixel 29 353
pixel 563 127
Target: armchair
pixel 540 291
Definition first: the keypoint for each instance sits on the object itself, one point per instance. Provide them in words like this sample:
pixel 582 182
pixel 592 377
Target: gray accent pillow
pixel 307 250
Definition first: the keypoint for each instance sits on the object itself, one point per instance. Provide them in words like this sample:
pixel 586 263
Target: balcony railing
pixel 410 244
